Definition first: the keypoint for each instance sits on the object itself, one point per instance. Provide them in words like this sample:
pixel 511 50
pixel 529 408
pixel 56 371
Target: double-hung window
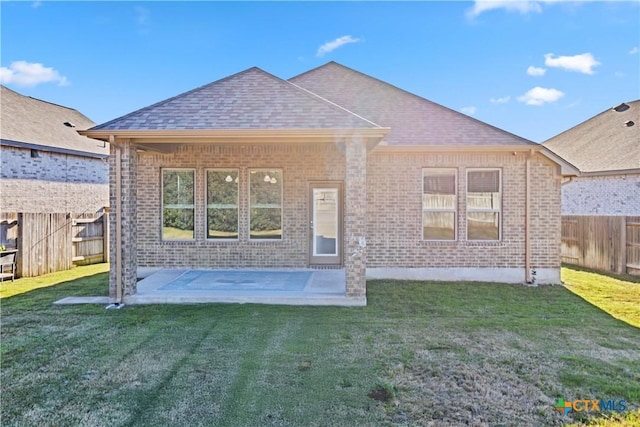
pixel 265 199
pixel 222 203
pixel 178 204
pixel 439 204
pixel 484 204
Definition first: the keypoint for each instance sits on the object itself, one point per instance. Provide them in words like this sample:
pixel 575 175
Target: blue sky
pixel 534 68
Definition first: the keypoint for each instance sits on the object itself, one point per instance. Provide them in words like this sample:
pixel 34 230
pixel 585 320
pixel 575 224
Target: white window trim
pixel 498 211
pixel 455 205
pixel 162 171
pixel 206 204
pixel 249 170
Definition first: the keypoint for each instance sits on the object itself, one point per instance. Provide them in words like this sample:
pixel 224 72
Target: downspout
pixel 527 219
pixel 118 225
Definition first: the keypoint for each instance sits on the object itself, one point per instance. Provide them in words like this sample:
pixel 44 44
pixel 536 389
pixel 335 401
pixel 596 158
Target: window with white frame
pixel 222 203
pixel 439 201
pixel 178 207
pixel 265 204
pixel 484 204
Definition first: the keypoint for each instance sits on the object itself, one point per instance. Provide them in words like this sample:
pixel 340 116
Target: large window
pixel 265 210
pixel 484 204
pixel 222 203
pixel 177 204
pixel 439 204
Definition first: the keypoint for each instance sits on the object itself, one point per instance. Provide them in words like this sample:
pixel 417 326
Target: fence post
pixel 105 236
pixel 20 256
pixel 622 268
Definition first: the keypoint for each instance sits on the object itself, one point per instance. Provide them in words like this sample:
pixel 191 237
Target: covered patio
pixel 224 177
pixel 255 286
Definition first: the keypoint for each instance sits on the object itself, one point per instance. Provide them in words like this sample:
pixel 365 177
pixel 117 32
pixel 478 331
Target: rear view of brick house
pixel 330 169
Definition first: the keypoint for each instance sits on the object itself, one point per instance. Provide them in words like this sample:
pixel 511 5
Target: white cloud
pixel 535 71
pixel 23 73
pixel 334 44
pixel 469 111
pixel 142 15
pixel 540 96
pixel 520 6
pixel 574 104
pixel 502 100
pixel 583 63
pixel 634 50
pixel 143 20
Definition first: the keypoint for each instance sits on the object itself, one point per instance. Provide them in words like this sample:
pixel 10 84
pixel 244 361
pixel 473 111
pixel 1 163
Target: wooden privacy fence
pixel 48 242
pixel 609 243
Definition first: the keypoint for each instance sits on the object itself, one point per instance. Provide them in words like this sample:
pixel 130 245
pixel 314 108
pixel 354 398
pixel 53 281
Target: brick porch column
pixel 126 206
pixel 355 217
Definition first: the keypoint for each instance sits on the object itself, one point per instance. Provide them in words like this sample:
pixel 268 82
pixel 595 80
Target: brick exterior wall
pixel 52 182
pixel 392 220
pixel 129 207
pixel 602 195
pixel 300 165
pixel 394 227
pixel 355 218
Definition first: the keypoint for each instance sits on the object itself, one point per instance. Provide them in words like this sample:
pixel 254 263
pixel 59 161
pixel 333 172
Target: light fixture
pixel 273 180
pixel 267 178
pixel 228 178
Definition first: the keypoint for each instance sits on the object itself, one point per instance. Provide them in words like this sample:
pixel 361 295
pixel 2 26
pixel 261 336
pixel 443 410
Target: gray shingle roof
pixel 603 142
pixel 252 99
pixel 413 120
pixel 33 123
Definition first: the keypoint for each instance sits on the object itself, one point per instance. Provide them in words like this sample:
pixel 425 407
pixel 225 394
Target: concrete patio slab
pixel 281 287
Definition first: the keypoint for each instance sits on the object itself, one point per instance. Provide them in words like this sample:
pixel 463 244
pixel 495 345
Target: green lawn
pixel 617 295
pixel 22 285
pixel 439 353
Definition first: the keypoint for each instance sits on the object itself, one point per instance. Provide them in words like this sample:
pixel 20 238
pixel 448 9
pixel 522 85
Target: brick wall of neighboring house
pixel 393 221
pixel 52 182
pixel 602 195
pixel 395 213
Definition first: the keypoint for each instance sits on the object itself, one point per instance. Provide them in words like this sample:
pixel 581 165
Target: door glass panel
pixel 325 222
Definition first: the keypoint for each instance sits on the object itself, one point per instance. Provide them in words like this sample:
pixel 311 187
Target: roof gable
pixel 602 143
pixel 252 99
pixel 413 120
pixel 32 123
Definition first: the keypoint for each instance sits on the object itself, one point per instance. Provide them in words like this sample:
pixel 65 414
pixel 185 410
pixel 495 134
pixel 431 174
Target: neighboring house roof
pixel 413 120
pixel 32 123
pixel 252 99
pixel 605 143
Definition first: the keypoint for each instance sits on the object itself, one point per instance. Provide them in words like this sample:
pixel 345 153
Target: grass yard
pixel 617 295
pixel 431 353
